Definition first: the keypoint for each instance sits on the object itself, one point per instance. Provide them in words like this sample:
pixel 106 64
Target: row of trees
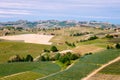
pixel 77 34
pixel 63 58
pixel 117 46
pixel 17 58
pixel 90 38
pixel 80 34
pixel 109 36
pixel 70 44
pixel 53 49
pixel 93 37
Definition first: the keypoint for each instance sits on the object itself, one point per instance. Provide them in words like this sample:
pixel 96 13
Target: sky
pixel 80 10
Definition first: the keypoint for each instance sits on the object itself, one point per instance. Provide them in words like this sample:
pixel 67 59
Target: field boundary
pixel 14 74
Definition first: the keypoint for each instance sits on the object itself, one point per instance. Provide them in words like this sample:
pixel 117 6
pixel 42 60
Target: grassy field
pixel 98 42
pixel 39 68
pixel 86 65
pixel 8 49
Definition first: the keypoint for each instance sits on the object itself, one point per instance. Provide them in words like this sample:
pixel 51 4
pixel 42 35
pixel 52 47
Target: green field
pixel 86 65
pixel 39 68
pixel 8 49
pixel 112 69
pixel 24 76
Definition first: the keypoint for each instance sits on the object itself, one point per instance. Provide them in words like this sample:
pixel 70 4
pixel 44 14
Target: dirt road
pixel 103 66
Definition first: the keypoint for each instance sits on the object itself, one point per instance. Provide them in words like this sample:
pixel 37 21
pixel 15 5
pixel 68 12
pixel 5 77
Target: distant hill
pixel 56 23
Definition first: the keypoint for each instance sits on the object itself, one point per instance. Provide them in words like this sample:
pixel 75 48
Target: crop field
pixel 85 65
pixel 102 57
pixel 24 76
pixel 112 69
pixel 39 68
pixel 8 49
pixel 111 72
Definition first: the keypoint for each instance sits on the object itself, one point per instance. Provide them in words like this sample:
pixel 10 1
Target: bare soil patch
pixel 30 38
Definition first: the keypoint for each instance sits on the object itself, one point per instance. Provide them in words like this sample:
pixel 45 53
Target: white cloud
pixel 31 5
pixel 56 4
pixel 22 12
pixel 5 16
pixel 100 17
pixel 78 16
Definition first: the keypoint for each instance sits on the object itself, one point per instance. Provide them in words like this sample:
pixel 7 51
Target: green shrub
pixel 29 58
pixel 64 59
pixel 93 38
pixel 109 36
pixel 42 58
pixel 53 49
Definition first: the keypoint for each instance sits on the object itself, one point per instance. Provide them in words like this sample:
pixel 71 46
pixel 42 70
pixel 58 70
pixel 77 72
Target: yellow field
pixel 86 49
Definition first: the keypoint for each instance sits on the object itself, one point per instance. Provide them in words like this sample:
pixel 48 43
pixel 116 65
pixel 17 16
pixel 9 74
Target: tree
pixel 47 58
pixel 74 56
pixel 117 46
pixel 57 56
pixel 64 59
pixel 42 58
pixel 29 58
pixel 54 49
pixel 108 47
